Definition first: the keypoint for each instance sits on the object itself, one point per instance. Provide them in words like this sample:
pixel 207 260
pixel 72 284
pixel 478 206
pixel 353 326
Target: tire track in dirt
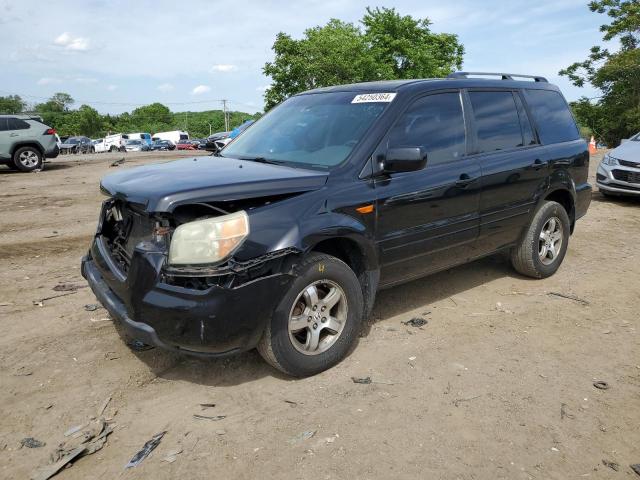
pixel 45 246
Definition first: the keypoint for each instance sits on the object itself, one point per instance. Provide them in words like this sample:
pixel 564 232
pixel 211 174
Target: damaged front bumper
pixel 201 318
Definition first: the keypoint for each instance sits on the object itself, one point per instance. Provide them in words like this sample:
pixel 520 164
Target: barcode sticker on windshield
pixel 373 97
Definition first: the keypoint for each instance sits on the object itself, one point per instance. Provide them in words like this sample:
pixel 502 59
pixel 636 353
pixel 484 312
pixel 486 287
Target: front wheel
pixel 318 319
pixel 544 245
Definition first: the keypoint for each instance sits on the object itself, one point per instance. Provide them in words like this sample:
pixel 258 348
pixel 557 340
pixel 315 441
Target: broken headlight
pixel 208 241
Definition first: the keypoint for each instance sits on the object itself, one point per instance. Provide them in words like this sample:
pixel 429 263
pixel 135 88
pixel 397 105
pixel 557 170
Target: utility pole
pixel 226 119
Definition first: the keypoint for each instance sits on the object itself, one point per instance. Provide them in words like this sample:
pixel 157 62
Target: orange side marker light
pixel 365 209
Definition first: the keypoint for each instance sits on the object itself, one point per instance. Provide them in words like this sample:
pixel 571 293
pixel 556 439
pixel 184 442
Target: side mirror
pixel 406 159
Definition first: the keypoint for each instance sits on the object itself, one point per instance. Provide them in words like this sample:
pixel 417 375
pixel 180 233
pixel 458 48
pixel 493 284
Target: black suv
pixel 282 240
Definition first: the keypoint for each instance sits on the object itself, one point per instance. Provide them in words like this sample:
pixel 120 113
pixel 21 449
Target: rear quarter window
pixel 18 124
pixel 552 116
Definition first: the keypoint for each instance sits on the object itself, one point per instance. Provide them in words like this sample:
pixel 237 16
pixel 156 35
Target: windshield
pixel 316 130
pixel 72 140
pixel 133 142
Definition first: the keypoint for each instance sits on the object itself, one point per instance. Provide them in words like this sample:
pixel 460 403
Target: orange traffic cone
pixel 592 146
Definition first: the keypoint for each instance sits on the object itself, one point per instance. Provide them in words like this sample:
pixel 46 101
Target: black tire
pixel 92 150
pixel 276 346
pixel 112 148
pixel 27 159
pixel 525 257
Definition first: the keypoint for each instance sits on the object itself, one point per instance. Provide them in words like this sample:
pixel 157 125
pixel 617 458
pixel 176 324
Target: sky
pixel 115 55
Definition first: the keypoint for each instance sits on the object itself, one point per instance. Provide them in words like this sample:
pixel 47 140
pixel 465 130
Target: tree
pixel 387 46
pixel 616 114
pixel 12 104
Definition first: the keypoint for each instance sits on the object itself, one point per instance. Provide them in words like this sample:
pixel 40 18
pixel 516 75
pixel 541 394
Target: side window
pixel 3 124
pixel 527 131
pixel 17 124
pixel 553 118
pixel 436 124
pixel 496 119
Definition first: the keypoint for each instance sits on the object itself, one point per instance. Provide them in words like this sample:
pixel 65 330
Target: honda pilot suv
pixel 25 142
pixel 282 240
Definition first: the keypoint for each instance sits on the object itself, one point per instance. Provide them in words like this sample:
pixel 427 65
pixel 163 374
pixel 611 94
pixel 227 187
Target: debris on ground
pixel 139 346
pixel 303 436
pixel 5 304
pixel 207 405
pixel 458 401
pixel 214 418
pixel 117 163
pixel 363 381
pixel 172 455
pixel 31 442
pixel 600 385
pixel 291 403
pixel 415 322
pixel 221 432
pixel 75 429
pixel 569 297
pixel 23 372
pixel 636 468
pixel 563 412
pixel 67 287
pixel 502 309
pixel 91 307
pixel 82 442
pixel 612 465
pixel 146 449
pixel 103 407
pixel 40 303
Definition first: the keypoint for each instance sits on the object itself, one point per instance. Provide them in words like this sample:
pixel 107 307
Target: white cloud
pixel 200 89
pixel 165 87
pixel 224 68
pixel 111 88
pixel 69 42
pixel 85 80
pixel 48 81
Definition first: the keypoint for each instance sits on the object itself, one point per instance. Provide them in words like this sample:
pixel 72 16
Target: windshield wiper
pixel 262 160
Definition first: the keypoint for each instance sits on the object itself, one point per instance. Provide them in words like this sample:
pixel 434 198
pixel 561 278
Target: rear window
pixel 496 119
pixel 184 137
pixel 552 116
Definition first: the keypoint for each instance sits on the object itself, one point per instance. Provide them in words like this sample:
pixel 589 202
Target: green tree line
pixel 615 113
pixel 57 112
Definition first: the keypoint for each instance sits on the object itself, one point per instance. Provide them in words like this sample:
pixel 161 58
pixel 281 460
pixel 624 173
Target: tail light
pixel 50 131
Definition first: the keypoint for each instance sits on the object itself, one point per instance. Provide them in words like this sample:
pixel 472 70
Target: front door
pixel 428 219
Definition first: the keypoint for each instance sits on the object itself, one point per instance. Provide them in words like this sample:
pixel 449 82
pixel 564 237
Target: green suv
pixel 25 142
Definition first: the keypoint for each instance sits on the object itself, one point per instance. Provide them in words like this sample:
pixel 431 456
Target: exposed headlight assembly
pixel 208 241
pixel 609 160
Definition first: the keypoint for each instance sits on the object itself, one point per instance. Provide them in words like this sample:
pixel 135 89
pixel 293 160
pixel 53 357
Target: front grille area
pixel 626 176
pixel 626 163
pixel 123 227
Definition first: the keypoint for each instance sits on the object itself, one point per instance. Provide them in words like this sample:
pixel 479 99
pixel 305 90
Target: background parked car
pixel 163 145
pixel 211 144
pixel 77 145
pixel 25 141
pixel 99 145
pixel 136 146
pixel 185 145
pixel 145 137
pixel 115 142
pixel 619 170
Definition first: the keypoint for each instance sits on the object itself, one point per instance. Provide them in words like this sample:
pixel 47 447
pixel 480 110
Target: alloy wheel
pixel 318 317
pixel 550 242
pixel 29 159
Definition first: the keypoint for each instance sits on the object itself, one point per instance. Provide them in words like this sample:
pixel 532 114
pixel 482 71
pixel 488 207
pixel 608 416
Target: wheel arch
pixel 360 256
pixel 566 198
pixel 27 143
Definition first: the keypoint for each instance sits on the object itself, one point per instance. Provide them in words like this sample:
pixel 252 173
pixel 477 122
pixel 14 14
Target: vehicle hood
pixel 162 187
pixel 627 151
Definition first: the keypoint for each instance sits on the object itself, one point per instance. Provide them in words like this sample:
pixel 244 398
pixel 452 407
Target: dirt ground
pixel 497 384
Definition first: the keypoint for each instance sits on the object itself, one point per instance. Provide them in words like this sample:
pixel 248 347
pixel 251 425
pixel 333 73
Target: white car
pixel 100 145
pixel 619 170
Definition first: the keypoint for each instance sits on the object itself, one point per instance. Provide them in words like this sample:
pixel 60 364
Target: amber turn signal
pixel 365 209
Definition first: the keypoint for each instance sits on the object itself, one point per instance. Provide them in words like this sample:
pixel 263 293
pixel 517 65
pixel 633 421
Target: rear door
pixel 5 139
pixel 428 219
pixel 514 165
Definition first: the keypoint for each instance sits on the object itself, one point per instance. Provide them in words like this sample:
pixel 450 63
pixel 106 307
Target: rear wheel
pixel 544 245
pixel 27 159
pixel 317 320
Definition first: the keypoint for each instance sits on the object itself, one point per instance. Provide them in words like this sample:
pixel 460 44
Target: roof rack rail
pixel 505 76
